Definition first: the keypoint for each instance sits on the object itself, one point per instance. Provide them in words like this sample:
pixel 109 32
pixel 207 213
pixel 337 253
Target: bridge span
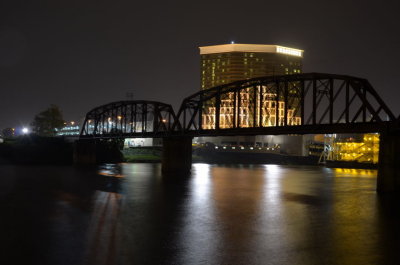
pixel 311 103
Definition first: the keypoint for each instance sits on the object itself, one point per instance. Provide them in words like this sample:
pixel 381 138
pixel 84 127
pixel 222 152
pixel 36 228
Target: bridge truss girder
pixel 289 104
pixel 124 119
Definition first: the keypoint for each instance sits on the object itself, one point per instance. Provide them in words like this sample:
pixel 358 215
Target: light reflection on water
pixel 355 173
pixel 221 214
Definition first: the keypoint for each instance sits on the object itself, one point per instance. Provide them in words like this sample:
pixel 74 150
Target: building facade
pixel 362 148
pixel 224 64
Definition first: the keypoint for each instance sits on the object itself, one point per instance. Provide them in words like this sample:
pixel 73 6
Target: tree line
pixel 44 123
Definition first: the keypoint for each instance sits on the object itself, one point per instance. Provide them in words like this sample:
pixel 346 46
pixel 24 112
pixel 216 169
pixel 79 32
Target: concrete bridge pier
pixel 177 155
pixel 94 151
pixel 389 162
pixel 85 152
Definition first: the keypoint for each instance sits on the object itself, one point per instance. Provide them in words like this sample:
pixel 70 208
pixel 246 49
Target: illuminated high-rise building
pixel 226 63
pixel 223 64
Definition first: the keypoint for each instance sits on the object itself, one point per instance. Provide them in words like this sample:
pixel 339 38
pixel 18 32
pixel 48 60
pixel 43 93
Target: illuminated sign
pixel 290 51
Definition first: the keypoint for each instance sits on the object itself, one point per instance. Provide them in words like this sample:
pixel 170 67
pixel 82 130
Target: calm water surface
pixel 221 214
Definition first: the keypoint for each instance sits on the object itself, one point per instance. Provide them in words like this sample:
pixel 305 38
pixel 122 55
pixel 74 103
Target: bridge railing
pixel 313 103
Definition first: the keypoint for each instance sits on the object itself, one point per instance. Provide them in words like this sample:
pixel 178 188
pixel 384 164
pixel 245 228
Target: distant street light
pixel 25 130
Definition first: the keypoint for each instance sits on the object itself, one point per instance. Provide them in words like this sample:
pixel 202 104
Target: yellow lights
pixel 164 120
pixel 365 151
pixel 119 117
pixel 289 51
pixel 244 114
pixel 72 122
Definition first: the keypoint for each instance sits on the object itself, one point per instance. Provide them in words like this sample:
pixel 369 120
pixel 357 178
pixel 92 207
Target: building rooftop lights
pixel 263 48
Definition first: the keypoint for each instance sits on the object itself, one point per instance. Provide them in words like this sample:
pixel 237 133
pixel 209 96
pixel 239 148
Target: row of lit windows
pixel 226 121
pixel 253 63
pixel 241 55
pixel 256 61
pixel 244 71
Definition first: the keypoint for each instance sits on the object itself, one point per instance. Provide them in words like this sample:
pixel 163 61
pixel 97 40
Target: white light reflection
pixel 273 174
pixel 272 209
pixel 201 183
pixel 199 214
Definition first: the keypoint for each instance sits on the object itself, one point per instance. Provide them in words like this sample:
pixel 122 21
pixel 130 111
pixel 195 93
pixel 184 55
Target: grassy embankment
pixel 142 154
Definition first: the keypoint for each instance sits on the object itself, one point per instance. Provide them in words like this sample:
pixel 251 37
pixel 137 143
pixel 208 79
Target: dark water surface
pixel 130 214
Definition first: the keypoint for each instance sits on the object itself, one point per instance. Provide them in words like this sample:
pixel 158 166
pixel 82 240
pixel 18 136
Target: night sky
pixel 81 54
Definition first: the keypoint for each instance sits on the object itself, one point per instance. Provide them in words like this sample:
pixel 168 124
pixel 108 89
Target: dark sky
pixel 81 54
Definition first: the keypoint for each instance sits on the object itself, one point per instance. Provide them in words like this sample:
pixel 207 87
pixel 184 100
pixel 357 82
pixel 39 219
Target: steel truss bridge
pixel 308 103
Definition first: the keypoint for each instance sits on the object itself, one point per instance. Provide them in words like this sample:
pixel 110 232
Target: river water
pixel 221 214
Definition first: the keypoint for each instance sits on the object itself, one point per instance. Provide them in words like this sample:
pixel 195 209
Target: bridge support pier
pixel 85 152
pixel 177 155
pixel 389 162
pixel 91 151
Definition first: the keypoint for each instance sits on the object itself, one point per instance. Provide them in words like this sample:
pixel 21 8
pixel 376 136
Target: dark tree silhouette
pixel 46 122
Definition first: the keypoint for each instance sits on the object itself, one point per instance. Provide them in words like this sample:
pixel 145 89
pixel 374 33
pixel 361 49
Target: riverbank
pixel 37 150
pixel 57 151
pixel 210 156
pixel 32 149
